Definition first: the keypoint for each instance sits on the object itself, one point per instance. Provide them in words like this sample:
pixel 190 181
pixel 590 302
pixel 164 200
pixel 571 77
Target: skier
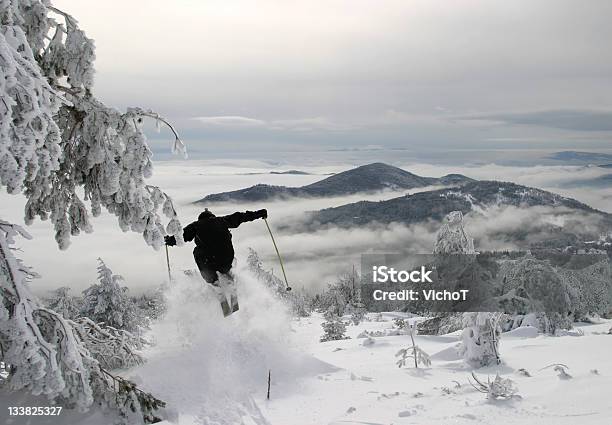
pixel 214 252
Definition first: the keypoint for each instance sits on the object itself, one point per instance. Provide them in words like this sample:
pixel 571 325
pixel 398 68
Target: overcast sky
pixel 269 75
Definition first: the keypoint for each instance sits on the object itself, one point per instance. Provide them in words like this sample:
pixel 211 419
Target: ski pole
pixel 280 260
pixel 168 263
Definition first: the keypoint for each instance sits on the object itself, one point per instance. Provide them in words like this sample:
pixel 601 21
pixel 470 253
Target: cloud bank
pixel 312 258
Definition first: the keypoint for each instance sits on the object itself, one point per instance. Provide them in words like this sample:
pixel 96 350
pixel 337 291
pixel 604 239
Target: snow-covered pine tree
pixel 44 355
pixel 481 331
pixel 452 238
pixel 297 301
pixel 480 338
pixel 343 296
pixel 255 266
pixel 63 303
pixel 334 328
pixel 108 302
pixel 535 292
pixel 58 141
pixel 355 306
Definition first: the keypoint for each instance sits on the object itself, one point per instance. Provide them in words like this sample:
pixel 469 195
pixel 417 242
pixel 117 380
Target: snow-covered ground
pixel 368 388
pixel 212 370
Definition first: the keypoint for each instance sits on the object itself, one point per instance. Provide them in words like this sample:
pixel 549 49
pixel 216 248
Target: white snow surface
pixel 214 371
pixel 368 388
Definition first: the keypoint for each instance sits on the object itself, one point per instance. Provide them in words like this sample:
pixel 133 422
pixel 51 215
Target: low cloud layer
pixel 313 259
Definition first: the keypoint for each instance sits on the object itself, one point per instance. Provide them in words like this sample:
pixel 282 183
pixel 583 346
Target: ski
pixel 225 288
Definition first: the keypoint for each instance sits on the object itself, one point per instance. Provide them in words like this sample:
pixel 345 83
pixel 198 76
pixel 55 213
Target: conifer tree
pixel 108 302
pixel 481 331
pixel 63 149
pixel 65 304
pixel 334 328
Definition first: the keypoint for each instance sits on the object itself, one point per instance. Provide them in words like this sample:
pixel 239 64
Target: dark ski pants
pixel 208 268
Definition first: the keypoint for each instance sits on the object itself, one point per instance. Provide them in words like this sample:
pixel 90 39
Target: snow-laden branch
pixel 57 138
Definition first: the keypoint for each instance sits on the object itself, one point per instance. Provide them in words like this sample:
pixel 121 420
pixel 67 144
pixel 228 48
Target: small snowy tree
pixel 334 328
pixel 63 303
pixel 532 285
pixel 415 352
pixel 297 301
pixel 357 313
pixel 108 302
pixel 343 296
pixel 452 238
pixel 481 331
pixel 480 338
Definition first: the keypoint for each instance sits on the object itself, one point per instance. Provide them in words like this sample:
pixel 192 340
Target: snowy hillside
pixel 213 371
pixel 221 377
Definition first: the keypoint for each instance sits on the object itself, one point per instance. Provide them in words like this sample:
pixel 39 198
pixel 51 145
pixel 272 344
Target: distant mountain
pixel 603 181
pixel 295 172
pixel 298 172
pixel 577 157
pixel 367 178
pixel 436 204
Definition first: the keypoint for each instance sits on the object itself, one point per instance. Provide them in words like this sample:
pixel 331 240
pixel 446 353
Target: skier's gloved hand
pixel 262 213
pixel 170 240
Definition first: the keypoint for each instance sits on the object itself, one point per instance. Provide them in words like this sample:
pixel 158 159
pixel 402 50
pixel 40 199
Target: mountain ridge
pixel 574 157
pixel 435 204
pixel 366 178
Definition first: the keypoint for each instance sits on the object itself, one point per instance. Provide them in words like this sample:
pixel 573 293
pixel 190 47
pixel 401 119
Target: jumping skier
pixel 214 251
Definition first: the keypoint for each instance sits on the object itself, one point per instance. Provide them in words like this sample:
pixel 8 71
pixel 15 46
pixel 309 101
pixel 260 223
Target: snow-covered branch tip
pixel 560 368
pixel 178 146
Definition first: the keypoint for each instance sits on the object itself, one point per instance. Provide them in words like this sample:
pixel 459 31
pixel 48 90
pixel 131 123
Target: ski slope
pixel 213 371
pixel 368 388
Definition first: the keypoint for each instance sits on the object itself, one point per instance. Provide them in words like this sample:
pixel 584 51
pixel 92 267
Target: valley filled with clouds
pixel 314 256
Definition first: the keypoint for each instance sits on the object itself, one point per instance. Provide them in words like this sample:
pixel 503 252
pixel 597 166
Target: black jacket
pixel 213 238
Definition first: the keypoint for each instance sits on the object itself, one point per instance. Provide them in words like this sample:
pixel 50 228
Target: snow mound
pixel 522 332
pixel 448 354
pixel 206 367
